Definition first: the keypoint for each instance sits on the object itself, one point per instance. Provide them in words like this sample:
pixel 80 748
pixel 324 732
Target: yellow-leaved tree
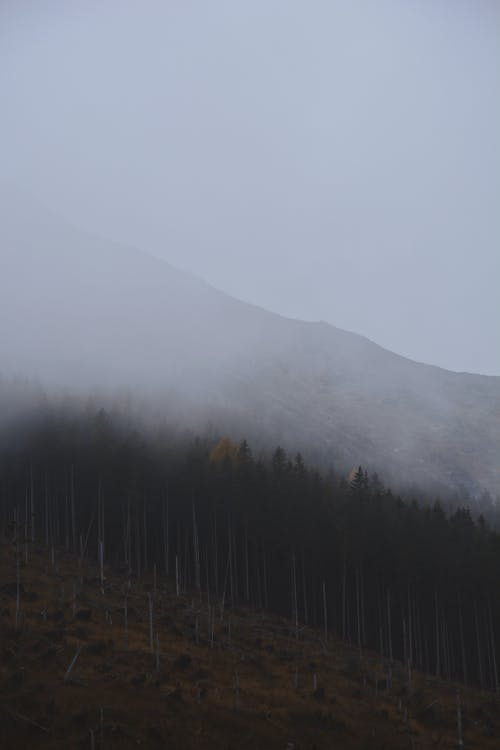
pixel 225 449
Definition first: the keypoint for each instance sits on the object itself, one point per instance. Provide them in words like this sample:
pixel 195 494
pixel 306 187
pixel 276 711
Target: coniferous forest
pixel 408 579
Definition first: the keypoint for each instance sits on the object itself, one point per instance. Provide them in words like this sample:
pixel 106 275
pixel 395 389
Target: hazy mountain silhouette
pixel 80 311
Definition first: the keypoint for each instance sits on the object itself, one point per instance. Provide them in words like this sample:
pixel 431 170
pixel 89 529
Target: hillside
pixel 86 314
pixel 78 672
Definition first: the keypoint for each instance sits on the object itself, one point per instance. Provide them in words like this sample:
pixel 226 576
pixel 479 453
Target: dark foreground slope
pixel 85 313
pixel 76 671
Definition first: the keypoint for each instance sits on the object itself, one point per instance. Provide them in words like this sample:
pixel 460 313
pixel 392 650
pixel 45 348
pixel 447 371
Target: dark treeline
pixel 346 555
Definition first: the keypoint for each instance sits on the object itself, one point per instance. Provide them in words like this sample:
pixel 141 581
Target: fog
pixel 82 316
pixel 333 161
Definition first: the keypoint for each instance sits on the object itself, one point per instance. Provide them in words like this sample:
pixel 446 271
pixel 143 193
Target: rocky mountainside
pixel 85 313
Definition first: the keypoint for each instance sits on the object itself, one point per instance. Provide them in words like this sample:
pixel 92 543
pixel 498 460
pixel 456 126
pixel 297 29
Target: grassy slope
pixel 253 687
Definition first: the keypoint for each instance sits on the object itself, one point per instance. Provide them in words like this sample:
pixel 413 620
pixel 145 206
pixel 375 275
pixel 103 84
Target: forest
pixel 409 577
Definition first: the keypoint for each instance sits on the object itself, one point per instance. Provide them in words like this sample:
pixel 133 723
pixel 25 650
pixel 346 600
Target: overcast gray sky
pixel 334 160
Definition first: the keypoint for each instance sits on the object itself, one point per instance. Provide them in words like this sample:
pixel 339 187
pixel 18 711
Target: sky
pixel 335 160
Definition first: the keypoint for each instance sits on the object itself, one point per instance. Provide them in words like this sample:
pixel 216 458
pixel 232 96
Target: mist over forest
pixel 95 319
pixel 249 375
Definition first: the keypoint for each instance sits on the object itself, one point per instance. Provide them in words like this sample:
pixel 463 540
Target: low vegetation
pixel 119 663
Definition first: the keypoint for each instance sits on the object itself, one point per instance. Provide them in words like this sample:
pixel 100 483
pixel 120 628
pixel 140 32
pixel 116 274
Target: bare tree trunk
pixel 380 609
pixel 101 565
pixel 145 541
pixel 265 577
pixel 295 614
pixel 73 519
pixel 66 521
pixel 18 591
pixel 405 651
pixel 479 655
pixel 410 628
pixel 157 653
pixel 138 547
pixel 389 634
pixel 462 640
pixel 447 654
pixel 362 591
pixel 126 537
pixel 304 591
pixel 125 611
pixel 493 650
pixel 438 646
pixel 247 574
pixel 358 610
pixel 325 612
pixel 46 513
pixel 223 601
pixel 216 559
pixel 165 537
pixel 196 553
pixel 150 607
pixel 207 572
pixel 72 663
pixel 460 742
pixel 258 582
pixel 344 603
pixel 25 540
pixel 32 499
pixel 230 558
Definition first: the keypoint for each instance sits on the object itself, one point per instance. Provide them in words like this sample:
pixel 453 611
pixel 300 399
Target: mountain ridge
pixel 45 211
pixel 86 312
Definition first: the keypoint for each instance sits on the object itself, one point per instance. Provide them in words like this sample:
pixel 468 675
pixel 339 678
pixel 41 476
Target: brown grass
pixel 252 688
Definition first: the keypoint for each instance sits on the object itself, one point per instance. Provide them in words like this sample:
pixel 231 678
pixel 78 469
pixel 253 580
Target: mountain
pixel 85 313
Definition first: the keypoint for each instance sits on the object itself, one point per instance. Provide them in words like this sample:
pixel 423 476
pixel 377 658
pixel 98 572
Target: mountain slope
pixel 78 672
pixel 80 311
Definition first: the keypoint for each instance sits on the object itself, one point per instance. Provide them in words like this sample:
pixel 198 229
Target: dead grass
pixel 252 687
